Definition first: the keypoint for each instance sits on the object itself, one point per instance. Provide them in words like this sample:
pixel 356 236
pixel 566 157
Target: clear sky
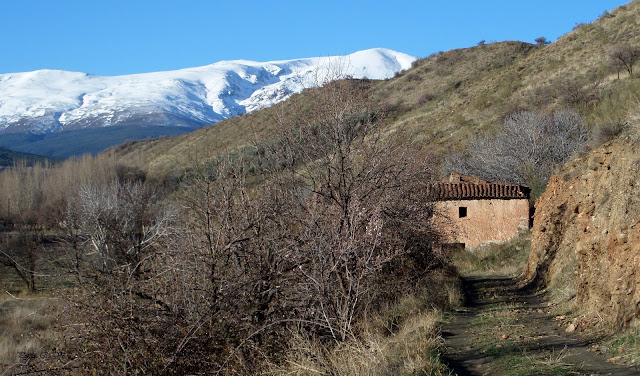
pixel 113 37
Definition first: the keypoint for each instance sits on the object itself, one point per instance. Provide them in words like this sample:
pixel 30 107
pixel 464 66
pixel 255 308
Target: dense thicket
pixel 307 236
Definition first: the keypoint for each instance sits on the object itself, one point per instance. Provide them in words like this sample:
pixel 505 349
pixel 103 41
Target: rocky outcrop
pixel 586 232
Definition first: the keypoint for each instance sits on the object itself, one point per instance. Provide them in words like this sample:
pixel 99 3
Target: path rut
pixel 505 330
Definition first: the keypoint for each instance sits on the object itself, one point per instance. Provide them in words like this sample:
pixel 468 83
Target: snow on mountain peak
pixel 53 100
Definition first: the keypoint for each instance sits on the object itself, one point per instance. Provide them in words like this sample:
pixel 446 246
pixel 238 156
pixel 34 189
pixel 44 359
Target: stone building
pixel 475 212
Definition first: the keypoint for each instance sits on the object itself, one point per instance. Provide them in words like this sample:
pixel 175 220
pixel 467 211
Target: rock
pixel 505 336
pixel 571 328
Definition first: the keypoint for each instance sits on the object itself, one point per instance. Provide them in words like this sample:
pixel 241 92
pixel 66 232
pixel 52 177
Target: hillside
pixel 445 98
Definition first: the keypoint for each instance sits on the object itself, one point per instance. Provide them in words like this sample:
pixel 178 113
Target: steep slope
pixel 586 233
pixel 47 101
pixel 447 97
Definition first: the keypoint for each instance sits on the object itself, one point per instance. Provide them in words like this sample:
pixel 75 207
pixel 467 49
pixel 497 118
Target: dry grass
pixel 25 325
pixel 412 350
pixel 403 339
pixel 507 258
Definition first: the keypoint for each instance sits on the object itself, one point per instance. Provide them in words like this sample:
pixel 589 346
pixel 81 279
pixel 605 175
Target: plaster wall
pixel 485 221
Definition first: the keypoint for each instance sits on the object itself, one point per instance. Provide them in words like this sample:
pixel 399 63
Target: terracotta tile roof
pixel 470 191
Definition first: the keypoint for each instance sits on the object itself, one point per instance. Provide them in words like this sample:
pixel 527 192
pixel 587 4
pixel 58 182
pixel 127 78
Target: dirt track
pixel 504 330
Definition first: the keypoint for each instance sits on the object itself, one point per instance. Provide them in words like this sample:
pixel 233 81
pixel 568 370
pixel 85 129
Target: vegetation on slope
pixel 10 158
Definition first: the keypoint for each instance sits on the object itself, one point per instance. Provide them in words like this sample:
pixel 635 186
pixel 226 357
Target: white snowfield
pixel 45 101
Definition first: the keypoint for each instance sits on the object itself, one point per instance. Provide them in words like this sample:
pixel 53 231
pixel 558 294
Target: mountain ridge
pixel 46 101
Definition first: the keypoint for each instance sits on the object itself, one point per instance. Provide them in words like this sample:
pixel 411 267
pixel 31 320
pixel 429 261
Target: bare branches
pixel 525 150
pixel 624 57
pixel 120 221
pixel 307 231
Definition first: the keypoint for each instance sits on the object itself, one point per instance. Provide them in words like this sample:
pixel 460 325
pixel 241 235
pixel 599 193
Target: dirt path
pixel 507 331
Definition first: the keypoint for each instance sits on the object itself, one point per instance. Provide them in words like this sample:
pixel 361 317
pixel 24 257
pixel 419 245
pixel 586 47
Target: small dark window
pixel 462 211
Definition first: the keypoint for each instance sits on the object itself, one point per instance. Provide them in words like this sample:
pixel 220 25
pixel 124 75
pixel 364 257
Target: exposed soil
pixel 586 232
pixel 506 330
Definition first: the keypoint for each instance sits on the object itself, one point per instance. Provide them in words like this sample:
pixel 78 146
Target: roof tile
pixel 470 191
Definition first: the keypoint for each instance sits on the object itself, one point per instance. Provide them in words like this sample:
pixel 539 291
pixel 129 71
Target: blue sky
pixel 133 36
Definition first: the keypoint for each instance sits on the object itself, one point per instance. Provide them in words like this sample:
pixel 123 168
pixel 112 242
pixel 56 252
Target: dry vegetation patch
pixel 403 339
pixel 507 258
pixel 27 328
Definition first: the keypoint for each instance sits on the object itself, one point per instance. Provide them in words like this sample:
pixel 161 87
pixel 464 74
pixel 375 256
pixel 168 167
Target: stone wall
pixel 483 221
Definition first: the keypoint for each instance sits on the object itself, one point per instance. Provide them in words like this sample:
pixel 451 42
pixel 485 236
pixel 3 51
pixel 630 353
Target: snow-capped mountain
pixel 46 101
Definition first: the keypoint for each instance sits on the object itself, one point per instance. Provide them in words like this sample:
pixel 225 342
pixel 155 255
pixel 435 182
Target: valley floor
pixel 506 330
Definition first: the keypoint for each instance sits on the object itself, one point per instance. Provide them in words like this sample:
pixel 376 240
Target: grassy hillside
pixel 446 98
pixel 471 90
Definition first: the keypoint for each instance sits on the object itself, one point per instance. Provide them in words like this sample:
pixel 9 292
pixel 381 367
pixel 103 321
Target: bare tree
pixel 624 57
pixel 337 216
pixel 121 222
pixel 118 232
pixel 361 182
pixel 21 251
pixel 525 150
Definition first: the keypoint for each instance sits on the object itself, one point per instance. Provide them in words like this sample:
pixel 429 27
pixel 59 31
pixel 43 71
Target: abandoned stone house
pixel 473 212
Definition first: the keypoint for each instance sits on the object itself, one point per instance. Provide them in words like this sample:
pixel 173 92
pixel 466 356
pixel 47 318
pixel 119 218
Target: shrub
pixel 417 63
pixel 414 77
pixel 569 92
pixel 425 98
pixel 542 41
pixel 608 131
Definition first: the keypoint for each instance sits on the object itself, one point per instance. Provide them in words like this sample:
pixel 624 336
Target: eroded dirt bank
pixel 586 233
